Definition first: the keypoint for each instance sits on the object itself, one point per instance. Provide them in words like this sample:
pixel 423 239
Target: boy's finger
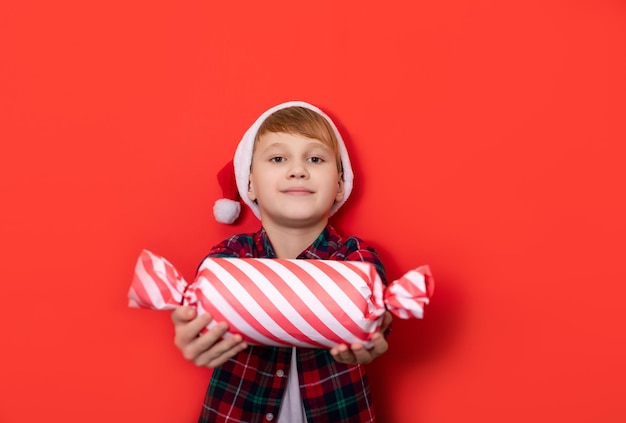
pixel 344 354
pixel 221 351
pixel 189 331
pixel 361 355
pixel 380 346
pixel 183 314
pixel 192 344
pixel 209 339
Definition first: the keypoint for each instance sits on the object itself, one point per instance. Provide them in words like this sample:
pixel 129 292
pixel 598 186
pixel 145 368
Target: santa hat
pixel 234 177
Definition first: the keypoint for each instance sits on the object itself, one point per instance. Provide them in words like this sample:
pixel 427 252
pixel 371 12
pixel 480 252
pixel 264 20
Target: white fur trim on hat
pixel 243 156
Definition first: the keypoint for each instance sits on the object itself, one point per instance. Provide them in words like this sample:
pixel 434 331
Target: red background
pixel 487 140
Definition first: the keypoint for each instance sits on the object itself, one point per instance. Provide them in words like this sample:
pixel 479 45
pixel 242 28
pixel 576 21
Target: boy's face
pixel 294 179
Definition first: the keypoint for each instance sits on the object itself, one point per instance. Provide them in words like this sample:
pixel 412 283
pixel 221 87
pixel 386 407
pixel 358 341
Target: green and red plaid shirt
pixel 250 386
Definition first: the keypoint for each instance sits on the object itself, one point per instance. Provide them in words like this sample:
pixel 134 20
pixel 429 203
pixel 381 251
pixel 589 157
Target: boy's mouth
pixel 297 191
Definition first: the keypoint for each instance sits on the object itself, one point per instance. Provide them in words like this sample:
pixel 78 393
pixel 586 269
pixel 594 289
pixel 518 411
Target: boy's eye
pixel 316 160
pixel 277 159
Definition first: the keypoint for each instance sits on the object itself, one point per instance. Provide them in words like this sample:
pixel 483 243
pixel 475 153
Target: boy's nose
pixel 298 171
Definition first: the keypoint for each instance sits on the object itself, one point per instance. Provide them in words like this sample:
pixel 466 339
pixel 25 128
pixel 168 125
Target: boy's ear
pixel 340 190
pixel 251 194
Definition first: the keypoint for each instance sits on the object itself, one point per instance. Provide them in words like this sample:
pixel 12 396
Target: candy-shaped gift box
pixel 304 303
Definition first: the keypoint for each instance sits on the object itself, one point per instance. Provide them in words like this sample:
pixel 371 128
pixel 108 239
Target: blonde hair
pixel 302 121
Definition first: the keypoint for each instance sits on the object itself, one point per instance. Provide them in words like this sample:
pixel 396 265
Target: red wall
pixel 488 140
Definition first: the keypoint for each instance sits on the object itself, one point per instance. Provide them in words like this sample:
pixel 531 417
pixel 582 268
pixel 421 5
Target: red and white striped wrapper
pixel 303 303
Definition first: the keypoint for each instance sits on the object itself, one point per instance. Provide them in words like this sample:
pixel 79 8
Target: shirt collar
pixel 321 249
pixel 264 245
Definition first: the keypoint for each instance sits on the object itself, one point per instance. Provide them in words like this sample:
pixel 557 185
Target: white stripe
pixel 229 313
pixel 133 299
pixel 150 285
pixel 279 301
pixel 354 278
pixel 324 314
pixel 407 301
pixel 417 279
pixel 242 295
pixel 314 303
pixel 369 289
pixel 337 293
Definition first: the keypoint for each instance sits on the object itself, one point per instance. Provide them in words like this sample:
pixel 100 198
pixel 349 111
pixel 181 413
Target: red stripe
pixel 351 291
pixel 164 286
pixel 378 291
pixel 171 274
pixel 371 278
pixel 141 296
pixel 301 307
pixel 138 285
pixel 430 281
pixel 219 317
pixel 368 277
pixel 141 284
pixel 348 288
pixel 414 293
pixel 264 301
pixel 325 298
pixel 238 305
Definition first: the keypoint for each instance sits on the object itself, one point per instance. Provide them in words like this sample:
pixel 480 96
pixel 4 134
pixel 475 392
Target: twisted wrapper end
pixel 156 284
pixel 407 296
pixel 349 315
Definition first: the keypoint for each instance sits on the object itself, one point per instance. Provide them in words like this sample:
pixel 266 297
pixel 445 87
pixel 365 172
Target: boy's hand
pixel 209 349
pixel 357 353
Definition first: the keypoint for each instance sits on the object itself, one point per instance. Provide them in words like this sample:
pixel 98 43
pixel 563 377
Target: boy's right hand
pixel 208 349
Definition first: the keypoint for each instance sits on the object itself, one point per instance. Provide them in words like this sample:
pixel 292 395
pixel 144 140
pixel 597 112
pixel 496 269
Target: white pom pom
pixel 226 211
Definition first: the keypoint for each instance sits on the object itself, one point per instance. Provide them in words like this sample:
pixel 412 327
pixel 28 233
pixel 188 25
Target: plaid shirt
pixel 250 386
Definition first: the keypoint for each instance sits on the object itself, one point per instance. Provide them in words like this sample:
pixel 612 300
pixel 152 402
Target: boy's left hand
pixel 357 353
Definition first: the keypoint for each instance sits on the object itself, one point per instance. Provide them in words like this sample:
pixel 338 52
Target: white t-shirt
pixel 291 408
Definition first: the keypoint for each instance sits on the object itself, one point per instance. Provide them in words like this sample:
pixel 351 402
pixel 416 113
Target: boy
pixel 293 171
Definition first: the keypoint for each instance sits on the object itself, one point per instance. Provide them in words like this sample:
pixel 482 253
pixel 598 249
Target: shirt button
pixel 269 417
pixel 280 373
